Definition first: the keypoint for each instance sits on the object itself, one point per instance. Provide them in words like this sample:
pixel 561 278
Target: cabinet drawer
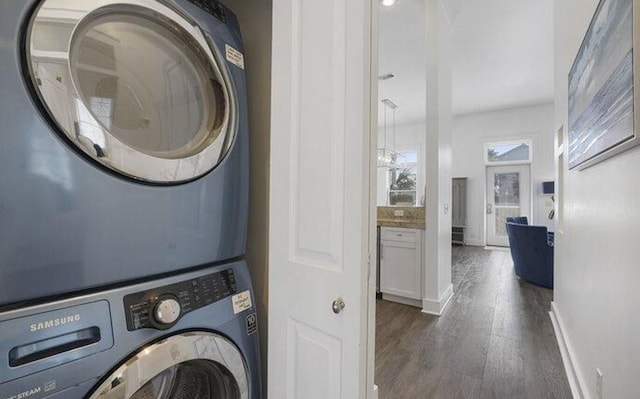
pixel 399 234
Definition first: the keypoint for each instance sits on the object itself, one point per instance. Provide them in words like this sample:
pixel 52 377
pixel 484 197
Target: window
pixel 403 181
pixel 508 152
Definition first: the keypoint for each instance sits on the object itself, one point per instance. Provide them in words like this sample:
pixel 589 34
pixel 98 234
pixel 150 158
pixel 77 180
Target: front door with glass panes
pixel 508 195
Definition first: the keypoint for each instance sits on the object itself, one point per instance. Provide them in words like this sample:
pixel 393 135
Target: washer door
pixel 134 85
pixel 194 365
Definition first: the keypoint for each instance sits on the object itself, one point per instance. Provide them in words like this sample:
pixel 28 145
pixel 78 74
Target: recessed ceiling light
pixel 388 3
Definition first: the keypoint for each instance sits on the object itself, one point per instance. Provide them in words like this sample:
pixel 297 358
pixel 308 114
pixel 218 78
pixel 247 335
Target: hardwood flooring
pixel 495 339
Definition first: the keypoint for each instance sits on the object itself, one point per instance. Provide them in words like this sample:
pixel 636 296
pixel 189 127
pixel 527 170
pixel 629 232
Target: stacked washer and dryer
pixel 123 202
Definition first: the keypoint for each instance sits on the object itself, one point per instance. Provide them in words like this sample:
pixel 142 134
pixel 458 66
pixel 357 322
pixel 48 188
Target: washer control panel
pixel 162 307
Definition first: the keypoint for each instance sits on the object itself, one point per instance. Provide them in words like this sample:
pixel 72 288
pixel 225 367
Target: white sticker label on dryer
pixel 234 56
pixel 241 302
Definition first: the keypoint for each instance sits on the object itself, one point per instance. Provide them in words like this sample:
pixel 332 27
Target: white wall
pixel 437 284
pixel 255 23
pixel 471 132
pixel 401 50
pixel 597 264
pixel 408 136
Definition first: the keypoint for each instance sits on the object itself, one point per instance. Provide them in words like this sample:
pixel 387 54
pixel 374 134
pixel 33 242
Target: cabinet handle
pixel 381 251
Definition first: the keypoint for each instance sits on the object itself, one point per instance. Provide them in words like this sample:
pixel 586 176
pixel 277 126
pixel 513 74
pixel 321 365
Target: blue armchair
pixel 518 219
pixel 532 253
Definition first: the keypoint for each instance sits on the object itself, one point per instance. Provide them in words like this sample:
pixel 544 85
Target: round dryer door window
pixel 186 366
pixel 134 85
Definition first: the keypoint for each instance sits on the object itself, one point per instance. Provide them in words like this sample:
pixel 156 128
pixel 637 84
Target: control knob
pixel 166 311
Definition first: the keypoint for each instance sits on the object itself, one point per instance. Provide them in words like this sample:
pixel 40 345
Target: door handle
pixel 338 305
pixel 489 209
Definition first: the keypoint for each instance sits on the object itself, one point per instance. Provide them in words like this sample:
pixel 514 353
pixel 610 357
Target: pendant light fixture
pixel 387 157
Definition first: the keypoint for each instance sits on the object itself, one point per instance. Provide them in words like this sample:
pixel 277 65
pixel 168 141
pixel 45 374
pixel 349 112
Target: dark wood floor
pixel 494 340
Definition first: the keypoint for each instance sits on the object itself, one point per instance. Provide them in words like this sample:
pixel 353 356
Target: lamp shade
pixel 548 187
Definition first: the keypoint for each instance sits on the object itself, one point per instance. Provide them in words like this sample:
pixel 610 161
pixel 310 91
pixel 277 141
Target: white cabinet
pixel 459 210
pixel 401 265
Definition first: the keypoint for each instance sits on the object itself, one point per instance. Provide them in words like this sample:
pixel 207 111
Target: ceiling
pixel 502 55
pixel 401 50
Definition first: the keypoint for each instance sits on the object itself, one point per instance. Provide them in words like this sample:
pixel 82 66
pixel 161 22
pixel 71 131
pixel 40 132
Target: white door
pixel 508 195
pixel 319 199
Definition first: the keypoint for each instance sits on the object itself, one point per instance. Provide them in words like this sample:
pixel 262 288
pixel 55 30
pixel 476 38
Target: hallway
pixel 495 339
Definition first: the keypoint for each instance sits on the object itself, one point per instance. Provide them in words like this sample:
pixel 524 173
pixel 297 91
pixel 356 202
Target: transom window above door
pixel 507 152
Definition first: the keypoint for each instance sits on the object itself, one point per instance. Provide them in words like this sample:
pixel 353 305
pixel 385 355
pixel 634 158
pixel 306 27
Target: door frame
pixel 529 164
pixel 372 389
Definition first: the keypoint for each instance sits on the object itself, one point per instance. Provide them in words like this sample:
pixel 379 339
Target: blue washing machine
pixel 191 336
pixel 123 143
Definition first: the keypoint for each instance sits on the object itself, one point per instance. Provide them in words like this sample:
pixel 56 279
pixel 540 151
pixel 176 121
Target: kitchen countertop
pixel 407 224
pixel 411 217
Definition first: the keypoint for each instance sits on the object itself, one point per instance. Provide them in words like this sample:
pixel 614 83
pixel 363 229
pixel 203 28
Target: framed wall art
pixel 604 84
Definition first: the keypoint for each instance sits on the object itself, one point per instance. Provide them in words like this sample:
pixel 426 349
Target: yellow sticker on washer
pixel 241 302
pixel 234 56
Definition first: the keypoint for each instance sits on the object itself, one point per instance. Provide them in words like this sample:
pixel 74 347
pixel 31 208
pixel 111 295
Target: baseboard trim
pixel 576 383
pixel 474 243
pixel 433 307
pixel 402 300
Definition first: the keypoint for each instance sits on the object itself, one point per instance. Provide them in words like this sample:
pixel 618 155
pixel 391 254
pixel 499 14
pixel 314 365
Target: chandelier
pixel 388 157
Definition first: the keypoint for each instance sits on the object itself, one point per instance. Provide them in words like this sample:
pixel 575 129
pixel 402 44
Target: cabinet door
pixel 400 269
pixel 459 194
pixel 455 214
pixel 463 204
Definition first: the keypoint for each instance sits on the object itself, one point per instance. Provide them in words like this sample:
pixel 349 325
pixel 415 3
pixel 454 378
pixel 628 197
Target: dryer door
pixel 194 365
pixel 134 84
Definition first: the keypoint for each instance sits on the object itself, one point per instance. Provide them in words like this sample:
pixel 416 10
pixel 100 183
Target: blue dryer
pixel 123 143
pixel 189 336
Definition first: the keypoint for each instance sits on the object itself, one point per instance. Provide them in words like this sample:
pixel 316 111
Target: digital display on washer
pixel 162 307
